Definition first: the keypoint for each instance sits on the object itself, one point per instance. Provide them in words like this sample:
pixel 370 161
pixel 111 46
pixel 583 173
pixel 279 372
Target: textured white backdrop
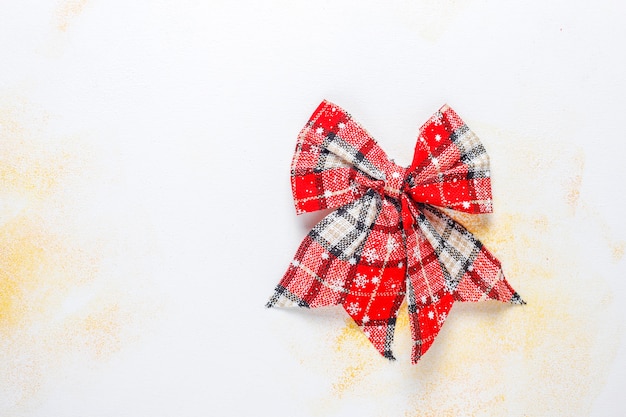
pixel 146 213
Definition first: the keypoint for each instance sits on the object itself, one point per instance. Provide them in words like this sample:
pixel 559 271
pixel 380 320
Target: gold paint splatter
pixel 54 304
pixel 617 251
pixel 67 12
pixel 429 18
pixel 103 329
pixel 574 182
pixel 32 257
pixel 348 378
pixel 616 247
pixel 350 339
pixel 29 263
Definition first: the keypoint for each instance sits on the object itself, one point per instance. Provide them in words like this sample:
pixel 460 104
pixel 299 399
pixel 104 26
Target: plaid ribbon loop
pixel 386 240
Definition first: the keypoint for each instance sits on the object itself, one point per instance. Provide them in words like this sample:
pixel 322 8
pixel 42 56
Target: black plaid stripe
pixel 473 153
pixel 413 303
pixel 318 270
pixel 486 279
pixel 418 343
pixel 418 268
pixel 353 156
pixel 291 292
pixel 381 331
pixel 455 247
pixel 283 297
pixel 410 292
pixel 328 160
pixel 382 232
pixel 418 263
pixel 343 232
pixel 390 327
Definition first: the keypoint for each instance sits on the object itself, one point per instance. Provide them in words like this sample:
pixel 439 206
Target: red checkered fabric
pixel 386 239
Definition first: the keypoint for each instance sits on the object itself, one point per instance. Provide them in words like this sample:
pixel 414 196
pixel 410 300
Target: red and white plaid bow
pixel 386 239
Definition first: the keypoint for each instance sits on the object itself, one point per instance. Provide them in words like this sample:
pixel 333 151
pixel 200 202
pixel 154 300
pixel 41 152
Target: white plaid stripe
pixel 283 298
pixel 344 231
pixel 456 248
pixel 473 153
pixel 328 160
pixel 343 150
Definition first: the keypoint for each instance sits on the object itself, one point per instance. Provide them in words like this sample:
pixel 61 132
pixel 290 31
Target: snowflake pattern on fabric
pixel 386 239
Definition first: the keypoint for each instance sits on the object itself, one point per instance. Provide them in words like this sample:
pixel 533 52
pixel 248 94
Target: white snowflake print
pixel 375 280
pixel 325 255
pixel 353 308
pixel 466 204
pixel 354 188
pixel 319 130
pixel 341 125
pixel 365 319
pixel 423 299
pixel 435 161
pixel 437 137
pixel 391 245
pixel 441 318
pixel 327 193
pixel 416 253
pixel 370 255
pixel 431 315
pixel 336 283
pixel 360 281
pixel 352 261
pixel 396 175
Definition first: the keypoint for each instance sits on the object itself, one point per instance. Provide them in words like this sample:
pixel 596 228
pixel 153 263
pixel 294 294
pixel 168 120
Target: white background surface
pixel 180 119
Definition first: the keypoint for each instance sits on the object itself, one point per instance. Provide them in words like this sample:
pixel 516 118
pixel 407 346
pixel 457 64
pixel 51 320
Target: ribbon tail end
pixel 516 299
pixel 282 297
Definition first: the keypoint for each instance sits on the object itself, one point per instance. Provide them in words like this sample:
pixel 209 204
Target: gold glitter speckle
pixel 67 12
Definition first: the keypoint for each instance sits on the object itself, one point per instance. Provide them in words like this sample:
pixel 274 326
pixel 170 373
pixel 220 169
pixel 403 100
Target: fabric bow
pixel 386 239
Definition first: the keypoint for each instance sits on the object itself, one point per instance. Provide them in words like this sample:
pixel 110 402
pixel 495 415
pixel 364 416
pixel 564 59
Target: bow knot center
pixel 394 180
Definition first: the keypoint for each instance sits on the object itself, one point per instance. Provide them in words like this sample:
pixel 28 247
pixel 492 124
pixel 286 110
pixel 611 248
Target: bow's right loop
pixel 450 166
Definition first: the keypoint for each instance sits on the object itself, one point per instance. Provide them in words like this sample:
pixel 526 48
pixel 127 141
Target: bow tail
pixel 472 273
pixel 426 320
pixel 354 257
pixel 446 264
pixel 322 270
pixel 428 298
pixel 378 287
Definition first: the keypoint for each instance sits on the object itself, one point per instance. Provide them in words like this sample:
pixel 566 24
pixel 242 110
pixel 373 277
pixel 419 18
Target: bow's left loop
pixel 335 162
